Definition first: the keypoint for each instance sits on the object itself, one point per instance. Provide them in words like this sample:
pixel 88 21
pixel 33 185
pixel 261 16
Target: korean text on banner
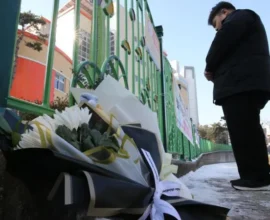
pixel 197 137
pixel 182 113
pixel 152 41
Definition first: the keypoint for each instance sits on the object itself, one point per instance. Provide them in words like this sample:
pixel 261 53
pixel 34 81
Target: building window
pixel 112 50
pixel 112 44
pixel 59 82
pixel 83 53
pixel 84 46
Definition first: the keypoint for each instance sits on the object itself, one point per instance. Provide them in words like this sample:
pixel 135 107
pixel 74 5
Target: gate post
pixel 9 15
pixel 159 30
pixel 50 56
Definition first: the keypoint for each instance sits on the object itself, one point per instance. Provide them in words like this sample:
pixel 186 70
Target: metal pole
pixel 75 45
pixel 77 34
pixel 126 36
pixel 189 150
pixel 159 30
pixel 133 49
pixel 193 137
pixel 9 15
pixel 93 47
pixel 143 48
pixel 138 45
pixel 50 56
pixel 108 38
pixel 183 147
pixel 101 39
pixel 118 34
pixel 152 84
pixel 160 116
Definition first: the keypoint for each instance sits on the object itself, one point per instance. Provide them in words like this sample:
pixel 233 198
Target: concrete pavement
pixel 210 184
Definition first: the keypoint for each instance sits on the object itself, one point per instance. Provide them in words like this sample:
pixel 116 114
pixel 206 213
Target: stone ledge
pixel 185 167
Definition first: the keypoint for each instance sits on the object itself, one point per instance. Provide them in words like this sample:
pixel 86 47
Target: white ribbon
pixel 159 207
pixel 90 98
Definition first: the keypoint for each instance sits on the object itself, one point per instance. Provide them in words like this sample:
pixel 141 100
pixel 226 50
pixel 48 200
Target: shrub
pixel 59 103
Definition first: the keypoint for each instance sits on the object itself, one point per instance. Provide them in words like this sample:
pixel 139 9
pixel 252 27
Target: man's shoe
pixel 251 185
pixel 235 181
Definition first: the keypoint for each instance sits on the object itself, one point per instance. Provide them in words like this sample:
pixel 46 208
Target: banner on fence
pixel 151 41
pixel 197 137
pixel 182 109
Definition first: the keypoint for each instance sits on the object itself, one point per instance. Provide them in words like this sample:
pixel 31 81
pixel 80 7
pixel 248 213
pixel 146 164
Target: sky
pixel 187 38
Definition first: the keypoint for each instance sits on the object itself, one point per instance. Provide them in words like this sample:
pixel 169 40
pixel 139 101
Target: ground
pixel 210 184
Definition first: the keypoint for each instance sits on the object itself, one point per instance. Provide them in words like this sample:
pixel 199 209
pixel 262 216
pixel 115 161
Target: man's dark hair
pixel 218 8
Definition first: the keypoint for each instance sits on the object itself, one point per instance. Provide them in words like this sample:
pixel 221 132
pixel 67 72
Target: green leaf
pixel 16 138
pixel 96 136
pixel 114 140
pixel 68 135
pixel 104 137
pixel 98 124
pixel 84 131
pixel 109 141
pixel 109 144
pixel 87 144
pixel 74 135
pixel 75 144
pixel 106 143
pixel 4 125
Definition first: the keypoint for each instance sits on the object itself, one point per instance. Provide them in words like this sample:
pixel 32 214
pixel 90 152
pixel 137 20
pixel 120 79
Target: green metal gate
pixel 132 64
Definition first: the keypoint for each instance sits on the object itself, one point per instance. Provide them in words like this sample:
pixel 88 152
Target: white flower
pixel 46 121
pixel 31 138
pixel 72 117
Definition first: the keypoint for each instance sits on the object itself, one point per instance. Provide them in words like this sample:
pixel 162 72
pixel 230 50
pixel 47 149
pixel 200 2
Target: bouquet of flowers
pixel 104 154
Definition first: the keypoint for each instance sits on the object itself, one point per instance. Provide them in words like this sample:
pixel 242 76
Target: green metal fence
pixel 132 64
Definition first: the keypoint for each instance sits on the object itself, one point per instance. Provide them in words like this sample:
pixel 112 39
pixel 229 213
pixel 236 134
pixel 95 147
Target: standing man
pixel 238 64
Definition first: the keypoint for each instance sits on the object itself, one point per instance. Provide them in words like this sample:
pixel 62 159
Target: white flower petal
pixel 50 121
pixel 42 121
pixel 72 117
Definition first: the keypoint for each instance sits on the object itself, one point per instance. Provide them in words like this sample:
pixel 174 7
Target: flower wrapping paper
pixel 123 188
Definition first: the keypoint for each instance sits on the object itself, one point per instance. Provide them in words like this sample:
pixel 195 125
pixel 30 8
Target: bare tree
pixel 217 132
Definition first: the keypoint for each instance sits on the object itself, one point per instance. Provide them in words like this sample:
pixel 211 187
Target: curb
pixel 205 159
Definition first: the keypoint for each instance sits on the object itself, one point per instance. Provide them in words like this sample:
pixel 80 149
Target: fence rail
pixel 148 75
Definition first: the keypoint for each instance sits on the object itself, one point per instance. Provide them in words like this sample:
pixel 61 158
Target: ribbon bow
pixel 159 207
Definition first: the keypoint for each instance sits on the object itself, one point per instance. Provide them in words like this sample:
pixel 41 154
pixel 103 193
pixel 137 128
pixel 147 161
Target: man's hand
pixel 209 76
